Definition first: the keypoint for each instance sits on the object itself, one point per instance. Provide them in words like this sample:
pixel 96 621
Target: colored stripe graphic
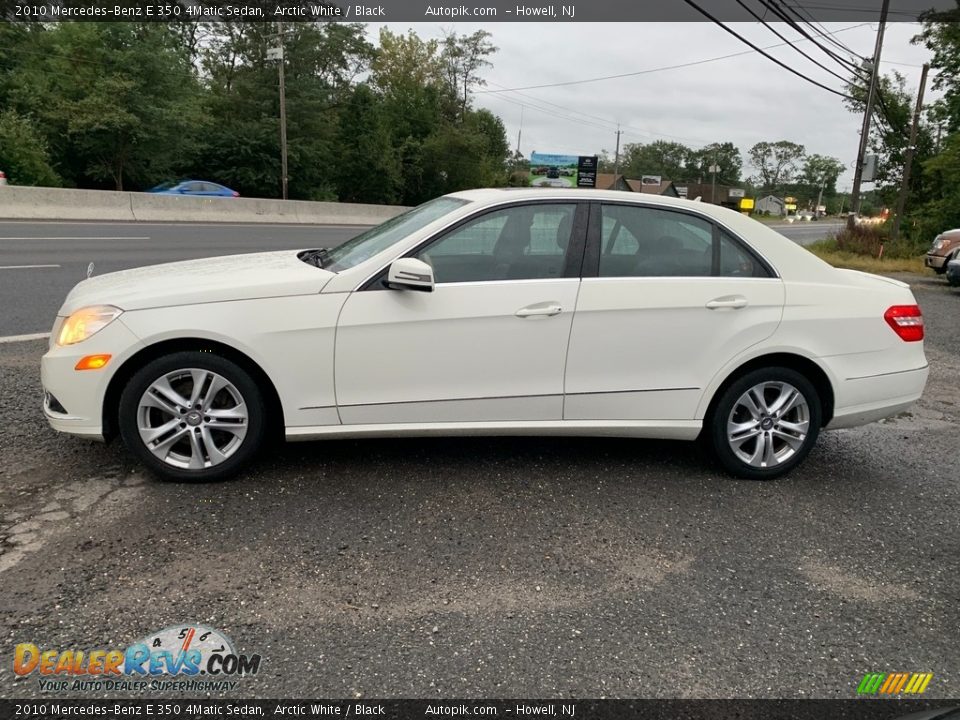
pixel 894 683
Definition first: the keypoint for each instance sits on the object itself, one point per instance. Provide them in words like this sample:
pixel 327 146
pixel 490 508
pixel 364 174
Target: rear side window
pixel 648 242
pixel 736 261
pixel 638 241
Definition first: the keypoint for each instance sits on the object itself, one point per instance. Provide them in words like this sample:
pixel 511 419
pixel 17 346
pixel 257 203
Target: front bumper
pixel 73 399
pixel 934 261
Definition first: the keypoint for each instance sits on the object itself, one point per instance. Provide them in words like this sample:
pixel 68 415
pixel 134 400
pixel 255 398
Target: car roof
pixel 493 195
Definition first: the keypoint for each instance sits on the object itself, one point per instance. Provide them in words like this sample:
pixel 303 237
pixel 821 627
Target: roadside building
pixel 665 187
pixel 770 204
pixel 609 181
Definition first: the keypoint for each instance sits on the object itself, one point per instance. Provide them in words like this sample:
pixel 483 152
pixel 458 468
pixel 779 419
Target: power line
pixel 779 35
pixel 766 55
pixel 649 70
pixel 780 9
pixel 822 31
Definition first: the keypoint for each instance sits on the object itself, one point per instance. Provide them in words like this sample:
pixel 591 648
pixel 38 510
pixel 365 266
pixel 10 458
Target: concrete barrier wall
pixel 29 203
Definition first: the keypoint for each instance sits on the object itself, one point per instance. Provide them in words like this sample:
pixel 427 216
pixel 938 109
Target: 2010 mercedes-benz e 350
pixel 491 312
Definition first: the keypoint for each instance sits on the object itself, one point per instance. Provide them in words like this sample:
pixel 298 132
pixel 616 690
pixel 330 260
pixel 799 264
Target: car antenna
pixel 89 270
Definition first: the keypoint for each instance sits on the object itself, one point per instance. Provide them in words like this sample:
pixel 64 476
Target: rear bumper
pixel 865 400
pixel 934 261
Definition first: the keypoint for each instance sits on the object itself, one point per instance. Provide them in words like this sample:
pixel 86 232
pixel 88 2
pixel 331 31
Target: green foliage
pixel 776 162
pixel 129 105
pixel 23 152
pixel 114 101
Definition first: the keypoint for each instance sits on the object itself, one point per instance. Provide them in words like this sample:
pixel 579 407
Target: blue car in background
pixel 203 188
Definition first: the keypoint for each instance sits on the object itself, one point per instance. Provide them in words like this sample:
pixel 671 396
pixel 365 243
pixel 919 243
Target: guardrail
pixel 31 203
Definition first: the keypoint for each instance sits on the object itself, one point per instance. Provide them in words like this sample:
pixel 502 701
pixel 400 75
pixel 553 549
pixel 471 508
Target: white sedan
pixel 502 312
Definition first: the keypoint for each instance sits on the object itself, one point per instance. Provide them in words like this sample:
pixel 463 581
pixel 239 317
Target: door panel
pixel 488 344
pixel 675 299
pixel 460 353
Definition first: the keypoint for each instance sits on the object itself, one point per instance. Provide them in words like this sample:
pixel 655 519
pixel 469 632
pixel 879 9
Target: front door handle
pixel 545 309
pixel 734 302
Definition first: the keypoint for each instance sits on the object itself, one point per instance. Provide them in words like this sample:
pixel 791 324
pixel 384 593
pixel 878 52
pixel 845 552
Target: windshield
pixel 369 243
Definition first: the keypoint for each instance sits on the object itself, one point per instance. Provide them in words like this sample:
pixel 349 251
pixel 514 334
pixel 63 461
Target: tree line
pixel 125 106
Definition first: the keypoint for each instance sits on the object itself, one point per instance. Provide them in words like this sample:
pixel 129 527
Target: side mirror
pixel 410 274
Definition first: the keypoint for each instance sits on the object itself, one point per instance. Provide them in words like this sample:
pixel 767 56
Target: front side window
pixel 524 242
pixel 367 244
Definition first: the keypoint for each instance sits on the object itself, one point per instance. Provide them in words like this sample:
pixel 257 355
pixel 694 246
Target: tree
pixel 366 171
pixel 776 163
pixel 726 155
pixel 667 159
pixel 464 56
pixel 821 171
pixel 941 35
pixel 23 152
pixel 113 100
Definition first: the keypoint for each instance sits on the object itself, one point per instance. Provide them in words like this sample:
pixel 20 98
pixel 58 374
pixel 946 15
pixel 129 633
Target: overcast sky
pixel 743 99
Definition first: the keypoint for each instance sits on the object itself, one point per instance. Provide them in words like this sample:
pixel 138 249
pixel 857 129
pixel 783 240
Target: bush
pixel 862 239
pixel 23 152
pixel 866 240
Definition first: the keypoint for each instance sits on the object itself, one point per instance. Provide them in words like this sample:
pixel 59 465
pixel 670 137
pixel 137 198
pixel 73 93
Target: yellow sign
pixel 791 206
pixel 746 203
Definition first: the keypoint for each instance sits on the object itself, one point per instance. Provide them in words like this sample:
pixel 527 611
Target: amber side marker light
pixel 92 362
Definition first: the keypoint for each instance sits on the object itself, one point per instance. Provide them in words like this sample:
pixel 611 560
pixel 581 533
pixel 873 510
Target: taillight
pixel 906 321
pixel 236 194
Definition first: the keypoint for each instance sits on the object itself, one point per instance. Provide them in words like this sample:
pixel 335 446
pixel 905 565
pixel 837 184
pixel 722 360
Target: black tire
pixel 240 383
pixel 717 425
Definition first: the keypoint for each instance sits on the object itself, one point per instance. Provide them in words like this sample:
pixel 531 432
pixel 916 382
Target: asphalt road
pixel 40 262
pixel 503 567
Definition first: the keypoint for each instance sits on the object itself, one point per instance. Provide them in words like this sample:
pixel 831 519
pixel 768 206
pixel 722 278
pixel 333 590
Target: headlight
pixel 937 243
pixel 86 322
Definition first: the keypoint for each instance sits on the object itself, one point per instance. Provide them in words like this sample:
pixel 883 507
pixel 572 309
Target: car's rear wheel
pixel 765 423
pixel 192 416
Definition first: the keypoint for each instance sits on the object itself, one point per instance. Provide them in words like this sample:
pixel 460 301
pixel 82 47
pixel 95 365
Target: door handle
pixel 547 309
pixel 734 302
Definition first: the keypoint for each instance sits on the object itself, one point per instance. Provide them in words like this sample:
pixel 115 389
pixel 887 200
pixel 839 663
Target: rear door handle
pixel 734 302
pixel 547 309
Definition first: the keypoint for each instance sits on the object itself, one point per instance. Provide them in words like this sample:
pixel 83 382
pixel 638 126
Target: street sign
pixel 869 173
pixel 275 53
pixel 713 169
pixel 681 190
pixel 587 171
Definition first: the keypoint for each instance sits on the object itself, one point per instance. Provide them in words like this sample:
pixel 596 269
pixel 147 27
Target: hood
pixel 217 279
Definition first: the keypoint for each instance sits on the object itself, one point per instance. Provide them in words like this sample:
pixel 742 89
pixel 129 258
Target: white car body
pixel 621 356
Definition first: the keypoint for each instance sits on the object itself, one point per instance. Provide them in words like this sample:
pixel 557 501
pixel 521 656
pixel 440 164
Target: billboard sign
pixel 587 171
pixel 650 179
pixel 562 171
pixel 681 190
pixel 737 192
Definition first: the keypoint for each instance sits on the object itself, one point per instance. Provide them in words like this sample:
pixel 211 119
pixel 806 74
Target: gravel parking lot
pixel 504 567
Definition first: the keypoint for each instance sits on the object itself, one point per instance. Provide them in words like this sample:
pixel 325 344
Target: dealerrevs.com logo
pixel 182 657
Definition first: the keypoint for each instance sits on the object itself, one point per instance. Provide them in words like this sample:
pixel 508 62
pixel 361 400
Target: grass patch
pixel 829 251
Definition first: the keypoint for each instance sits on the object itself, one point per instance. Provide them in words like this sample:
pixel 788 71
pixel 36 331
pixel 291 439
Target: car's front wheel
pixel 765 423
pixel 192 416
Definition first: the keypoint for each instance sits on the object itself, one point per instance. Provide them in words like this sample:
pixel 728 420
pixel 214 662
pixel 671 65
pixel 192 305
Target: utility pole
pixel 519 132
pixel 616 160
pixel 868 111
pixel 911 149
pixel 278 54
pixel 714 169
